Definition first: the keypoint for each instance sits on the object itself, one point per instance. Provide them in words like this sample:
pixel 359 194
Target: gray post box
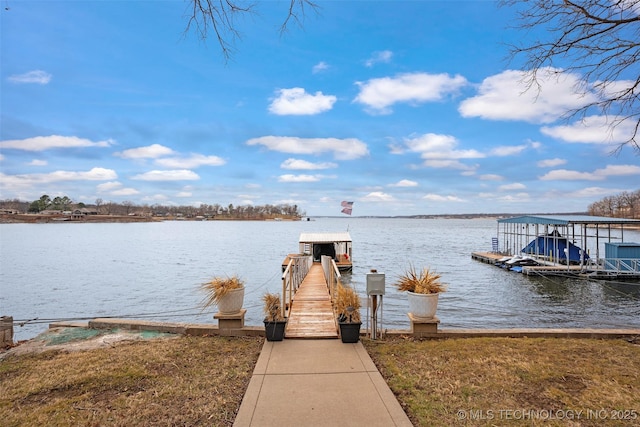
pixel 375 283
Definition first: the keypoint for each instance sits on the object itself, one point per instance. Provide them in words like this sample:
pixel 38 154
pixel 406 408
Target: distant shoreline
pixel 46 219
pixel 54 219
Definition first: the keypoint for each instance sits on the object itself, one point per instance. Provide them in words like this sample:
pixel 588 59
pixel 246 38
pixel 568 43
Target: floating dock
pixel 529 270
pixel 567 245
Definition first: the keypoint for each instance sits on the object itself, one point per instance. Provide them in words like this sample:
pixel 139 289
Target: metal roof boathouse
pixel 570 244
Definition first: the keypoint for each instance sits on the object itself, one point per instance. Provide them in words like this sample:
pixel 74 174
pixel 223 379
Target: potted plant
pixel 423 289
pixel 274 322
pixel 225 292
pixel 347 308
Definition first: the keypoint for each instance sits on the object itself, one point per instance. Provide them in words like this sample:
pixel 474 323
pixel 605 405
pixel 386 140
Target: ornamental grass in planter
pixel 274 322
pixel 347 309
pixel 225 292
pixel 423 289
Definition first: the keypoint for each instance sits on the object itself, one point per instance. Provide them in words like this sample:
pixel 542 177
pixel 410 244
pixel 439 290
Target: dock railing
pixel 331 275
pixel 292 278
pixel 622 266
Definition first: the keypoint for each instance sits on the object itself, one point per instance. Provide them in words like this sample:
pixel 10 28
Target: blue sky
pixel 402 107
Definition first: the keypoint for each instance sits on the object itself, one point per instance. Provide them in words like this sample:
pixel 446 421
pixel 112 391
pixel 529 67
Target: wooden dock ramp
pixel 311 314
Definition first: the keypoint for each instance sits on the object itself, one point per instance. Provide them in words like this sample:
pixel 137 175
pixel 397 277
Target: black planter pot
pixel 274 331
pixel 350 332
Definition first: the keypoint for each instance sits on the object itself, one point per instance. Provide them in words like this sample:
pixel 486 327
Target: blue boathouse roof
pixel 567 220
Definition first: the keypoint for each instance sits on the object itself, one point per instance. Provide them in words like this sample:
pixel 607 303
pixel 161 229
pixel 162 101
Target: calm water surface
pixel 51 271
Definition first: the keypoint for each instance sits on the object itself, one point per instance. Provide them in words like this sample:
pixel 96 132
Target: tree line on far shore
pixel 47 204
pixel 622 205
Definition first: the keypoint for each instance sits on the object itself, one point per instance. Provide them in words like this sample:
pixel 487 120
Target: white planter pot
pixel 423 306
pixel 232 302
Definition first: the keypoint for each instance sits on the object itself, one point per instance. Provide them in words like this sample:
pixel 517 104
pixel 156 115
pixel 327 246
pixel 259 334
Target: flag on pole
pixel 347 207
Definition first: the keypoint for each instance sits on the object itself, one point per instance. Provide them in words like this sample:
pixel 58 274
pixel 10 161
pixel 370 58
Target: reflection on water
pixel 75 270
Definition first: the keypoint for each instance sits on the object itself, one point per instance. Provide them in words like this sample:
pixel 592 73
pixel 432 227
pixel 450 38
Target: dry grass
pixel 424 282
pixel 347 304
pixel 201 381
pixel 486 381
pixel 182 381
pixel 217 288
pixel 272 307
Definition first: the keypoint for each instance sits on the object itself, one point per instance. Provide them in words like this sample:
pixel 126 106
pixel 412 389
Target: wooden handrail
pixel 331 275
pixel 292 278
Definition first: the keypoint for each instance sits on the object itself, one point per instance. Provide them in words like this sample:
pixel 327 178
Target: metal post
pixel 375 288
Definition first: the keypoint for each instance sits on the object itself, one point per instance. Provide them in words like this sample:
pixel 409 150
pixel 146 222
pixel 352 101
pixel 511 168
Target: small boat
pixel 521 260
pixel 515 263
pixel 556 247
pixel 336 245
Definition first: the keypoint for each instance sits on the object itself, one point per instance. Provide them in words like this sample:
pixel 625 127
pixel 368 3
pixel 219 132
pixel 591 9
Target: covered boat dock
pixel 336 245
pixel 570 243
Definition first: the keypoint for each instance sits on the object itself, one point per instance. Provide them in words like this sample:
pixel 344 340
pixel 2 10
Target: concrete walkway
pixel 318 383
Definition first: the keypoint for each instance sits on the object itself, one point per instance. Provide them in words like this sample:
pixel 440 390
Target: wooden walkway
pixel 311 314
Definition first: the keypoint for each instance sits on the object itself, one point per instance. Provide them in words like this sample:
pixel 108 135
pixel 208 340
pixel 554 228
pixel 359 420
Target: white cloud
pixel 191 162
pixel 41 143
pixel 449 164
pixel 343 149
pixel 515 198
pixel 508 150
pixel 511 187
pixel 396 149
pixel 506 96
pixel 550 163
pixel 296 101
pixel 592 192
pixel 159 198
pixel 377 196
pixel 413 88
pixel 593 130
pixel 14 182
pixel 108 186
pixel 569 175
pixel 184 194
pixel 149 152
pixel 169 175
pixel 298 178
pixel 37 76
pixel 619 170
pixel 597 175
pixel 491 177
pixel 297 164
pixel 125 192
pixel 379 57
pixel 320 67
pixel 438 198
pixel 404 183
pixel 435 146
pixel 36 162
pixel 95 174
pixel 114 188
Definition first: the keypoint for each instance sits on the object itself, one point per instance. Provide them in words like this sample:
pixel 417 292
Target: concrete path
pixel 318 383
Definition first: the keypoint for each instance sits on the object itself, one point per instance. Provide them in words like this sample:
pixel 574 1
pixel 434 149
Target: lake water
pixel 153 270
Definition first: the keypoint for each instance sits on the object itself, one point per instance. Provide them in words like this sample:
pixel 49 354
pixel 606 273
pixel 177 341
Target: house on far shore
pixel 79 214
pixel 87 211
pixel 50 212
